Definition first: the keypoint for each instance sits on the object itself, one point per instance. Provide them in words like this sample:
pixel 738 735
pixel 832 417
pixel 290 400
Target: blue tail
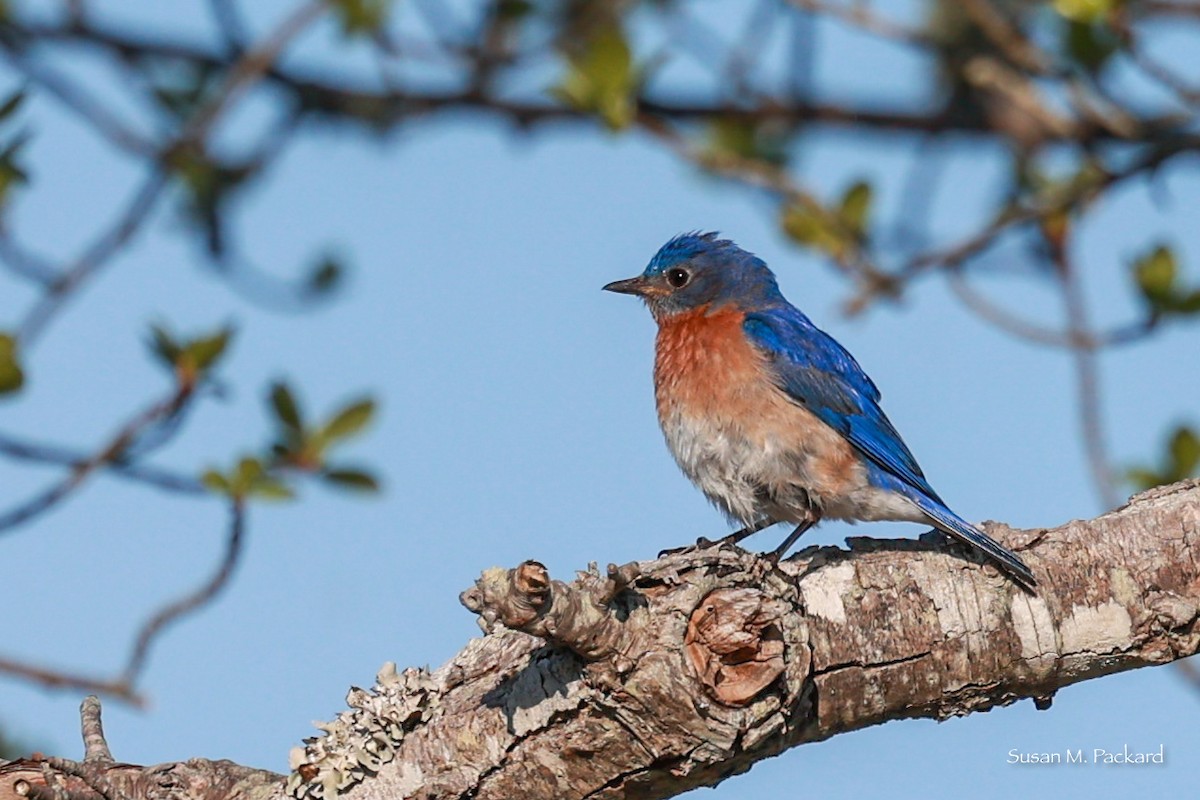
pixel 946 520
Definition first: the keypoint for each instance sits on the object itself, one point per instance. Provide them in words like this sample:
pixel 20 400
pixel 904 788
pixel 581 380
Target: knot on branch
pixel 578 616
pixel 735 643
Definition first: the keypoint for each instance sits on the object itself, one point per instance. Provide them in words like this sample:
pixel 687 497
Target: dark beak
pixel 636 286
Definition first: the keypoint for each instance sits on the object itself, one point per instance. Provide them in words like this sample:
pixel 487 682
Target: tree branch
pixel 661 676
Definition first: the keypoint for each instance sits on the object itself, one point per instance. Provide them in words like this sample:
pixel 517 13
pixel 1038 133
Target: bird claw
pixel 702 543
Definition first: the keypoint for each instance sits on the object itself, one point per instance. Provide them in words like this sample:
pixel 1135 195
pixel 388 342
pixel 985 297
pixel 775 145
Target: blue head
pixel 694 270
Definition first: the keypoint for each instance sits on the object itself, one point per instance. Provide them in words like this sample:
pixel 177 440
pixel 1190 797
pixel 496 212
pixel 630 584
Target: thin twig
pixel 100 117
pixel 99 253
pixel 75 460
pixel 251 66
pixel 1087 379
pixel 228 19
pixel 112 451
pixel 1006 36
pixel 860 16
pixel 57 679
pixel 191 602
pixel 25 263
pixel 1033 333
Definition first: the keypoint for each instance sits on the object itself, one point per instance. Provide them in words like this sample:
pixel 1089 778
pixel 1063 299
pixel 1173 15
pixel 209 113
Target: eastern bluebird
pixel 769 416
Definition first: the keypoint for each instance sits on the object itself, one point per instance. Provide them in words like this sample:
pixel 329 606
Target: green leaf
pixel 812 226
pixel 745 139
pixel 204 352
pixel 1155 274
pixel 601 78
pixel 359 17
pixel 1181 460
pixel 248 471
pixel 12 174
pixel 215 482
pixel 163 345
pixel 348 422
pixel 271 489
pixel 1185 452
pixel 1085 10
pixel 855 208
pixel 356 479
pixel 1187 303
pixel 1089 44
pixel 12 376
pixel 11 103
pixel 286 410
pixel 1143 478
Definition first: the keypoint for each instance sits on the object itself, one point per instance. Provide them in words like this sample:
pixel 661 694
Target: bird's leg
pixel 781 551
pixel 737 536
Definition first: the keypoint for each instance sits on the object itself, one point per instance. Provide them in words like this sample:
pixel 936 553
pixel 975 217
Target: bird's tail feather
pixel 951 523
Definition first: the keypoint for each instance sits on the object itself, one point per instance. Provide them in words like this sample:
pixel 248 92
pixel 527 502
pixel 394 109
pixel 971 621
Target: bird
pixel 768 415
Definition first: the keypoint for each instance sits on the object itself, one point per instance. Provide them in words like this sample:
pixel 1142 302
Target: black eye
pixel 678 277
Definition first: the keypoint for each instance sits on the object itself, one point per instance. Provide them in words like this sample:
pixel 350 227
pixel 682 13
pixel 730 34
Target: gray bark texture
pixel 660 676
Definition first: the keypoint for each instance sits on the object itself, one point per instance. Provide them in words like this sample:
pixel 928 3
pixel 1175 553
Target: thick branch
pixel 679 672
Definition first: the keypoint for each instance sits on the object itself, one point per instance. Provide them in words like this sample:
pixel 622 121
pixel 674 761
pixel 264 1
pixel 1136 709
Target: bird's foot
pixel 702 543
pixel 705 542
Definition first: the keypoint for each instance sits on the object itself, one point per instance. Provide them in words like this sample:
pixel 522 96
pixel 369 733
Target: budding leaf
pixel 1085 10
pixel 855 207
pixel 11 103
pixel 349 421
pixel 812 226
pixel 1155 274
pixel 1185 451
pixel 12 376
pixel 204 352
pixel 601 78
pixel 362 16
pixel 215 482
pixel 1181 460
pixel 286 409
pixel 325 277
pixel 356 479
pixel 164 346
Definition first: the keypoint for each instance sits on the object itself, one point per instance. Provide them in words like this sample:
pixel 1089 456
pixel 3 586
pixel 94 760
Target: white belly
pixel 771 475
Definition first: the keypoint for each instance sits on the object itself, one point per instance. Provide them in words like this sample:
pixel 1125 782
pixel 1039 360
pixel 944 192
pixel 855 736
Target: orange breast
pixel 705 367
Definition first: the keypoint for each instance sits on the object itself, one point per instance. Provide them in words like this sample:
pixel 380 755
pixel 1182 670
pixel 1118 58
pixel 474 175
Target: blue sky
pixel 517 422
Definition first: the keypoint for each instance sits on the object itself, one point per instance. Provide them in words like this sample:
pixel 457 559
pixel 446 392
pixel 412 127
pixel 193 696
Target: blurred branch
pixel 1087 377
pixel 191 602
pixel 111 452
pixel 96 256
pixel 124 687
pixel 1034 333
pixel 859 15
pixel 1007 36
pixel 76 460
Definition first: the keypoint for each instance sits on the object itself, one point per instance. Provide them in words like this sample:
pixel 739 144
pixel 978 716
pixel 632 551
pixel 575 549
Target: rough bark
pixel 669 674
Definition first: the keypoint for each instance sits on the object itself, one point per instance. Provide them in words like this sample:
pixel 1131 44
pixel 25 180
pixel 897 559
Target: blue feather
pixel 817 372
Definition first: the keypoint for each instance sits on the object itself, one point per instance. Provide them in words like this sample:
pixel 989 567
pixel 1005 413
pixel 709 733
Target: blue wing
pixel 818 373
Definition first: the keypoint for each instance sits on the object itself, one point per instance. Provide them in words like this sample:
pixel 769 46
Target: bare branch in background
pixel 124 686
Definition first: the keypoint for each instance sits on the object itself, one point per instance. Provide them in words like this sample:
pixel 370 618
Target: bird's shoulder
pixel 812 368
pixel 807 359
